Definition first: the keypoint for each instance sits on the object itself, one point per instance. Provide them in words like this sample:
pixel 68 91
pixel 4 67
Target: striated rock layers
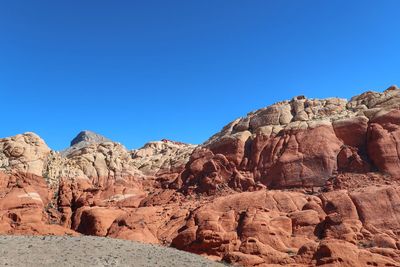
pixel 300 143
pixel 302 182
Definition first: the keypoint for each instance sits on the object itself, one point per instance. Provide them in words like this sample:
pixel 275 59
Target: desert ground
pixel 91 251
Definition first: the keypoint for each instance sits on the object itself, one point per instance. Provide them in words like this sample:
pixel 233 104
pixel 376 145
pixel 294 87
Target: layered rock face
pixel 302 182
pixel 93 172
pixel 300 143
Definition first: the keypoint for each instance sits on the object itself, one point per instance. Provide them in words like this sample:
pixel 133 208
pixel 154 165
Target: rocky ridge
pixel 300 143
pixel 302 182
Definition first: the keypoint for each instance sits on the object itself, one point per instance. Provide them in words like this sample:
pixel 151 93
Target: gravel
pixel 91 251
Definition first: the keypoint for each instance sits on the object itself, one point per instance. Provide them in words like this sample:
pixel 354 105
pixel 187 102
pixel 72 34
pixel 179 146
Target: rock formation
pixel 300 143
pixel 301 182
pixel 25 153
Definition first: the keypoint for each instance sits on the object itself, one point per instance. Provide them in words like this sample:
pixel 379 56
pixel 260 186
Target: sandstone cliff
pixel 302 182
pixel 300 143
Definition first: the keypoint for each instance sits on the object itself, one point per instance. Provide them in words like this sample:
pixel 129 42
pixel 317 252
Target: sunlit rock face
pixel 302 182
pixel 161 156
pixel 25 153
pixel 300 143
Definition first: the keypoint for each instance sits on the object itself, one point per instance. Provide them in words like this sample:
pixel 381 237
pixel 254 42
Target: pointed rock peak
pixel 89 137
pixel 392 88
pixel 299 97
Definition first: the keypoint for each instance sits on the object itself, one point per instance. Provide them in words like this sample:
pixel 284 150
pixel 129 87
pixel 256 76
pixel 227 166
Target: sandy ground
pixel 90 251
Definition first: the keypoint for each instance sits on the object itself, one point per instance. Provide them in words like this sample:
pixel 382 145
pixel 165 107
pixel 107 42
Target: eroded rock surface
pixel 25 153
pixel 165 156
pixel 300 143
pixel 303 182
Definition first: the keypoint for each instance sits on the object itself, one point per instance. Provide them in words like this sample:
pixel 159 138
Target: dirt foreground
pixel 90 251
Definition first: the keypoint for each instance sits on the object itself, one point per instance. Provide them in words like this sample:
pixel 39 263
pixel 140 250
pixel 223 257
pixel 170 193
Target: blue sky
pixel 136 71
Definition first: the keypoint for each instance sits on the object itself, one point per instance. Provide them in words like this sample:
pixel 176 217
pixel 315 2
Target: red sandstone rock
pixel 341 253
pixel 307 149
pixel 95 221
pixel 378 207
pixel 383 142
pixel 302 158
pixel 349 160
pixel 149 224
pixel 24 206
pixel 352 131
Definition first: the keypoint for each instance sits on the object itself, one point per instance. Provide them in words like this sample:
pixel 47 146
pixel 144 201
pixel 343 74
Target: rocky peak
pixel 84 139
pixel 392 88
pixel 89 137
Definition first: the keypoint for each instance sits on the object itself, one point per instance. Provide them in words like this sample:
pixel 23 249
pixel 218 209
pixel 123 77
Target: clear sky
pixel 136 71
